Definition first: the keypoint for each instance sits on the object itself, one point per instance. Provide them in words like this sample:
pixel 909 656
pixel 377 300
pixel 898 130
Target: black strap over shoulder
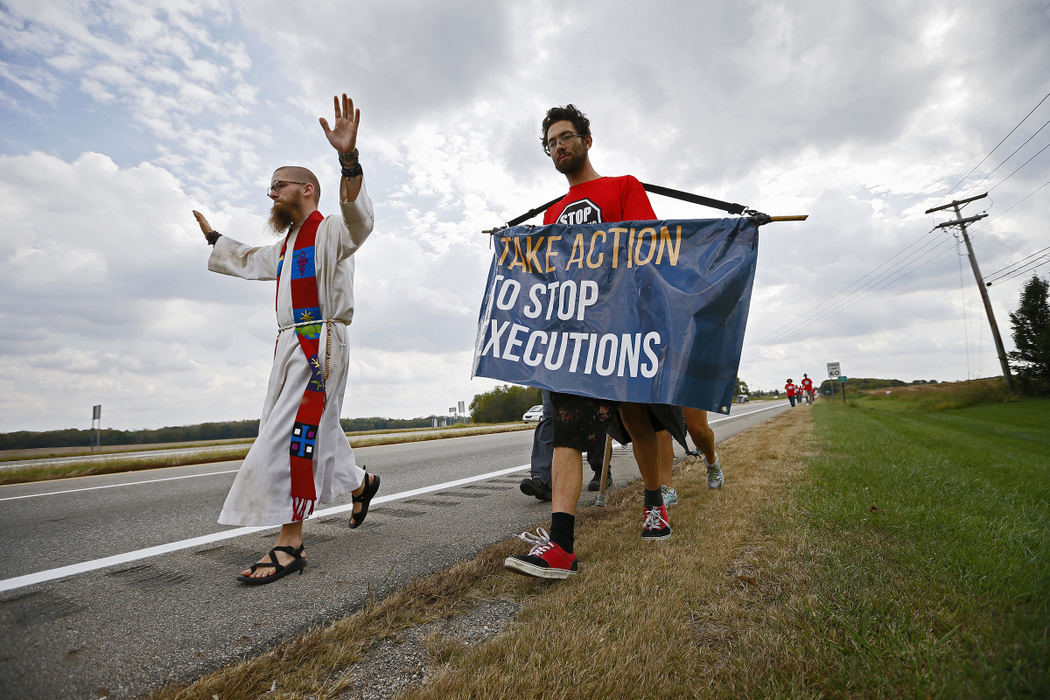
pixel 735 209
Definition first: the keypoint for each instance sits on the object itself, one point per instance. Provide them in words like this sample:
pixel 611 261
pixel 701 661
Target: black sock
pixel 563 530
pixel 653 498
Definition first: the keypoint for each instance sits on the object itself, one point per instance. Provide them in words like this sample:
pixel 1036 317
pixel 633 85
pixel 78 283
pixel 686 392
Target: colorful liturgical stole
pixel 305 308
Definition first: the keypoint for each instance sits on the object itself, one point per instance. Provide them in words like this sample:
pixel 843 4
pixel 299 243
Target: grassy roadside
pixel 927 541
pixel 856 551
pixel 601 603
pixel 18 475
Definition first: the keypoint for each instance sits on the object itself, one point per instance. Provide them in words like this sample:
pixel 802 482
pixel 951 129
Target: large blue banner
pixel 641 311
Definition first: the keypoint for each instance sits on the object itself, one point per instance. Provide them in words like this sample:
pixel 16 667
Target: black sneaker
pixel 532 487
pixel 596 483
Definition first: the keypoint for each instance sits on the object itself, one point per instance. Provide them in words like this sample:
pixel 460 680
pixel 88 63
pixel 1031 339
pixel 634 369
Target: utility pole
pixel 961 223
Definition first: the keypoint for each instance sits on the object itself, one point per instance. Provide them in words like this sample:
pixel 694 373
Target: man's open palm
pixel 343 136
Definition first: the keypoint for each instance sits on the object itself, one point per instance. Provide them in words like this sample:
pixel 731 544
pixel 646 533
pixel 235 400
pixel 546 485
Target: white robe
pixel 261 492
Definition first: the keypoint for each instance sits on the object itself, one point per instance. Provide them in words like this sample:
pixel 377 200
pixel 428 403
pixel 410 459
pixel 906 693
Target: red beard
pixel 283 216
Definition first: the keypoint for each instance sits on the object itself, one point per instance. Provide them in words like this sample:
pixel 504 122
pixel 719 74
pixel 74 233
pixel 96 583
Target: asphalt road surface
pixel 121 452
pixel 112 585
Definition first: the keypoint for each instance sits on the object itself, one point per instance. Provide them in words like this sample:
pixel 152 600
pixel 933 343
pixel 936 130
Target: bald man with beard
pixel 301 456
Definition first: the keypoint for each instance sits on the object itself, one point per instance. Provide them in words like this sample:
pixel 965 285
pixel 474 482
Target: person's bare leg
pixel 646 446
pixel 291 535
pixel 566 480
pixel 666 456
pixel 700 431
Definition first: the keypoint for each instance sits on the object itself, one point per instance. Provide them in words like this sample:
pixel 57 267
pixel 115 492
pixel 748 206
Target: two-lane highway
pixel 114 584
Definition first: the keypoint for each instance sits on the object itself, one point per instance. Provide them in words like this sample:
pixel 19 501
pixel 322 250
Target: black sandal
pixel 364 499
pixel 297 564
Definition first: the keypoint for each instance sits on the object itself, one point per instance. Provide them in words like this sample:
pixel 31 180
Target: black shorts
pixel 661 417
pixel 580 420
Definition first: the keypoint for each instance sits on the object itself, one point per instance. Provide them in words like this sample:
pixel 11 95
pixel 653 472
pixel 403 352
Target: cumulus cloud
pixel 122 116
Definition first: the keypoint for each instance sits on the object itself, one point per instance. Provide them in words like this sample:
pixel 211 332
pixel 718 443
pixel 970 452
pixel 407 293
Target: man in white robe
pixel 262 491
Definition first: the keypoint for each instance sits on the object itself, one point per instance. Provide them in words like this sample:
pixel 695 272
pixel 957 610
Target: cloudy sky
pixel 120 117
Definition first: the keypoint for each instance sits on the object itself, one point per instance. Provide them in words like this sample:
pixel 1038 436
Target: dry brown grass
pixel 687 616
pixel 942 396
pixel 651 619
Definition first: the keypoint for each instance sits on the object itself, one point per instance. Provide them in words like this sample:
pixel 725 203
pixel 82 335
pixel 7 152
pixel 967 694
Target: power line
pixel 879 283
pixel 979 225
pixel 921 257
pixel 1005 160
pixel 1019 262
pixel 915 264
pixel 1020 166
pixel 988 221
pixel 998 144
pixel 847 290
pixel 927 251
pixel 1031 267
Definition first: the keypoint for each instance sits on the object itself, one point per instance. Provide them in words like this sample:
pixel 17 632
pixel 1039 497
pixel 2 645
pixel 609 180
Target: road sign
pixel 843 379
pixel 833 370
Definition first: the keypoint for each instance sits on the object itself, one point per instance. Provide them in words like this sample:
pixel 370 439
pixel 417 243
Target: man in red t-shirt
pixel 790 389
pixel 592 198
pixel 807 388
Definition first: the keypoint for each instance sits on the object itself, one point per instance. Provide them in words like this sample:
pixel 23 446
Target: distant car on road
pixel 533 415
pixel 742 398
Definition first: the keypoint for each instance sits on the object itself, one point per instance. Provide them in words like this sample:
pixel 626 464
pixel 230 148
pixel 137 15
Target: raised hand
pixel 343 135
pixel 205 226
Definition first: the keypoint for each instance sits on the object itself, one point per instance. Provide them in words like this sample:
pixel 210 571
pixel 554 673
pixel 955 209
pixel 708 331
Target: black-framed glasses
pixel 563 139
pixel 276 185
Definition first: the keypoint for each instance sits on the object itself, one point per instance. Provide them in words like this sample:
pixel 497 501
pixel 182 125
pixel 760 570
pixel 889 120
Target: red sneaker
pixel 656 525
pixel 545 560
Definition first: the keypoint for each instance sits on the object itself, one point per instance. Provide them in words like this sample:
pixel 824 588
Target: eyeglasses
pixel 564 140
pixel 276 185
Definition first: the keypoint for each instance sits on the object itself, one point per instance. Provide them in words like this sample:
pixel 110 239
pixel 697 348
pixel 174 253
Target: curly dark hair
pixel 569 112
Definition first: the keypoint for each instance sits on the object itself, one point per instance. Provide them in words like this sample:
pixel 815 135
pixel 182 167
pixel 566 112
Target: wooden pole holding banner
pixel 606 460
pixel 772 219
pixel 729 207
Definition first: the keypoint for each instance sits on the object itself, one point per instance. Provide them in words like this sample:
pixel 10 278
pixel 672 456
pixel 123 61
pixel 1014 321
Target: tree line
pixel 200 432
pixel 79 437
pixel 505 403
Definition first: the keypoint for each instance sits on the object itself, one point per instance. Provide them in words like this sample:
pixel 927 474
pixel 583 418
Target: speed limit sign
pixel 833 370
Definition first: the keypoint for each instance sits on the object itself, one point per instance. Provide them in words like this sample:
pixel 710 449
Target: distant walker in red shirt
pixel 807 388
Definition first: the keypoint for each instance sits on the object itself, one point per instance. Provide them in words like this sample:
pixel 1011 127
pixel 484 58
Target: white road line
pixel 114 486
pixel 234 471
pixel 745 415
pixel 11 584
